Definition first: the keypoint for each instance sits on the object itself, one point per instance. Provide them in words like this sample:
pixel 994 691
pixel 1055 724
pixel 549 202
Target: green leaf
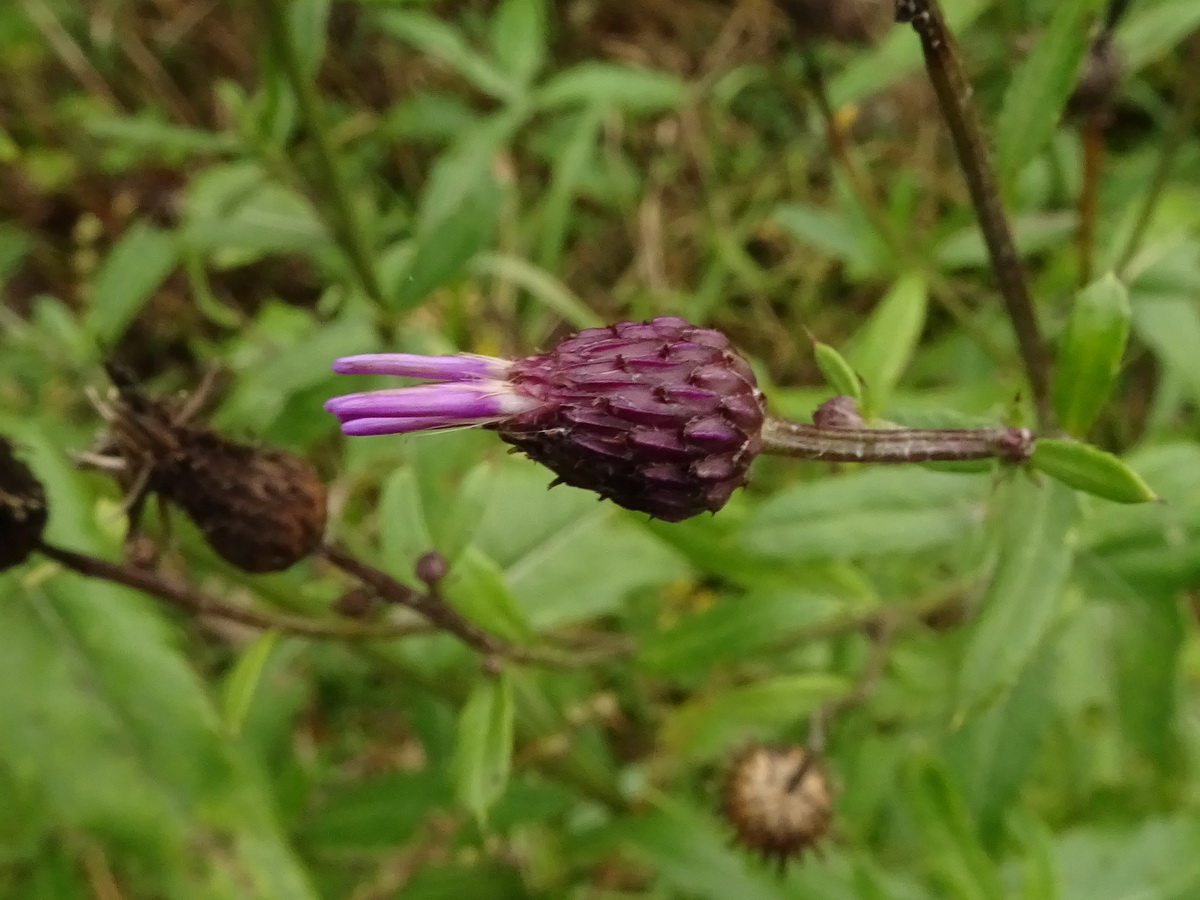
pixel 826 231
pixel 839 374
pixel 691 853
pixel 308 22
pixel 243 679
pixel 1090 469
pixel 145 133
pixel 993 754
pixel 518 36
pixel 1171 326
pixel 882 348
pixel 444 250
pixel 950 847
pixel 569 172
pixel 1150 31
pixel 106 723
pixel 476 588
pixel 869 513
pixel 1039 868
pixel 465 169
pixel 1024 594
pixel 710 725
pixel 1040 87
pixel 1148 634
pixel 133 270
pixel 483 754
pixel 434 37
pixel 609 85
pixel 560 548
pixel 1090 354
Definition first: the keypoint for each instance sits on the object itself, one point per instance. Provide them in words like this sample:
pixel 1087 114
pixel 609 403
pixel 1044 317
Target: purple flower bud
pixel 661 416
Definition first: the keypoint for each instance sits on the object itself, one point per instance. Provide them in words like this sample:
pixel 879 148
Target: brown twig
pixel 881 633
pixel 946 73
pixel 189 599
pixel 1093 159
pixel 434 608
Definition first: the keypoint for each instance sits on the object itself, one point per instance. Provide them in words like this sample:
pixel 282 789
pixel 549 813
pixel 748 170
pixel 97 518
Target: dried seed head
pixel 260 509
pixel 23 510
pixel 661 416
pixel 855 22
pixel 778 800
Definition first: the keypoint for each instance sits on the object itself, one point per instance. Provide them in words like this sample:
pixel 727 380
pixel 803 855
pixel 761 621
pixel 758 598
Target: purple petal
pixel 364 427
pixel 448 403
pixel 462 366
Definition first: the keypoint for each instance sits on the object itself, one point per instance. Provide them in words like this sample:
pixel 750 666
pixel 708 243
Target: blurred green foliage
pixel 179 193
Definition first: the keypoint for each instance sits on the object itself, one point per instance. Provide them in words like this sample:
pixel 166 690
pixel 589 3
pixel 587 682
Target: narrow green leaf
pixel 568 172
pixel 993 753
pixel 1039 868
pixel 1151 31
pixel 609 85
pixel 1039 90
pixel 308 24
pixel 1148 633
pixel 146 133
pixel 243 679
pixel 443 251
pixel 133 270
pixel 692 853
pixel 518 36
pixel 483 755
pixel 704 728
pixel 839 374
pixel 1090 469
pixel 431 35
pixel 477 589
pixel 883 347
pixel 826 231
pixel 1036 545
pixel 950 845
pixel 1171 326
pixel 1090 354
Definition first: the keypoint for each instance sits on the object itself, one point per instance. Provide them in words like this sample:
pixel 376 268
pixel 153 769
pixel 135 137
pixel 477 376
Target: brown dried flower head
pixel 22 509
pixel 259 508
pixel 778 799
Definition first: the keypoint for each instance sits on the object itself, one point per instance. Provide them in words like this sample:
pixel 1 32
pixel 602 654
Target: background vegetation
pixel 260 187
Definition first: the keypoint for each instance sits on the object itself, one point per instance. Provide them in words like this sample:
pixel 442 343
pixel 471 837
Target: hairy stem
pixel 185 597
pixel 953 91
pixel 894 445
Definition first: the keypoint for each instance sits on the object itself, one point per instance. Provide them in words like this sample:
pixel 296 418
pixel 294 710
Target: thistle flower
pixel 661 417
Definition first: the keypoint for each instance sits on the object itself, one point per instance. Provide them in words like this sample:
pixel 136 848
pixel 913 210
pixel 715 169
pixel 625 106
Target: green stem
pixel 345 223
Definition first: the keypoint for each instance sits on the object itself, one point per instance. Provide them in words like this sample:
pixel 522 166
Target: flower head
pixel 661 417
